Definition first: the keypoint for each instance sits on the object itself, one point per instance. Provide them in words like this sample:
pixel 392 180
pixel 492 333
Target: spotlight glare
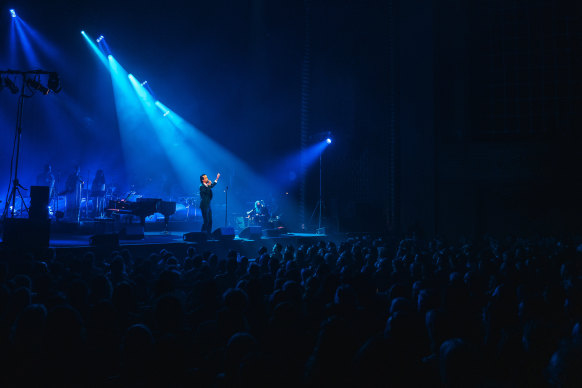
pixel 144 83
pixel 100 38
pixel 13 13
pixel 328 140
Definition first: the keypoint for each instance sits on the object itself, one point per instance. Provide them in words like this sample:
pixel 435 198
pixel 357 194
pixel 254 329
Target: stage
pixel 74 239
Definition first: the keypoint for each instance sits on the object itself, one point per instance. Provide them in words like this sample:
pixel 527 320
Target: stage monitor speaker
pixel 39 200
pixel 26 234
pixel 108 240
pixel 198 237
pixel 274 232
pixel 224 233
pixel 251 233
pixel 132 232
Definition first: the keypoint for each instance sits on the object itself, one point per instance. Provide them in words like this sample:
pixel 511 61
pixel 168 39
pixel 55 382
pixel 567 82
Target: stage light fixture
pixel 146 86
pixel 37 86
pixel 328 140
pixel 54 82
pixel 102 43
pixel 10 85
pixel 13 13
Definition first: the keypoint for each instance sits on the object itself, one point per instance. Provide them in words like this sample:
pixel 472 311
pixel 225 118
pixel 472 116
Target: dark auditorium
pixel 291 193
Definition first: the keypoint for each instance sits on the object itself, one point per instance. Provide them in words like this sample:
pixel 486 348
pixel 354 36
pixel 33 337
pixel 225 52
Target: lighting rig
pixel 30 83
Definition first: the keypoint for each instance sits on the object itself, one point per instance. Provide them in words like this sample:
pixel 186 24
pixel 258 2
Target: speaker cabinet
pixel 274 232
pixel 39 201
pixel 224 233
pixel 251 233
pixel 198 237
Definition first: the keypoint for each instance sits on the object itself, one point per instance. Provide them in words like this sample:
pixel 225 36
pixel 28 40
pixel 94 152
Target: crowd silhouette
pixel 364 312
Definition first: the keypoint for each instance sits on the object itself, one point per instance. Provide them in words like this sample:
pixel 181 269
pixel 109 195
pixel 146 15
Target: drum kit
pixel 265 220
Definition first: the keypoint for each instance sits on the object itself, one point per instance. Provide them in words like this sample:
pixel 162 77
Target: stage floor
pixel 60 240
pixel 75 239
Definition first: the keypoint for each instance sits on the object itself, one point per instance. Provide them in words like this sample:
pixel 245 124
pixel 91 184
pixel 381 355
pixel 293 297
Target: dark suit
pixel 205 198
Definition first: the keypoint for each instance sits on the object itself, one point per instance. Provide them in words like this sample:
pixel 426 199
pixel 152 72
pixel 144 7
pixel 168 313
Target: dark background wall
pixel 508 127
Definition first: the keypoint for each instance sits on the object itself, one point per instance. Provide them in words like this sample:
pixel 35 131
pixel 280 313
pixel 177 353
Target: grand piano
pixel 142 208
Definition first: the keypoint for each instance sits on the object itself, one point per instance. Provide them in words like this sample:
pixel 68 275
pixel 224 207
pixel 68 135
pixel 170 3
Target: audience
pixel 364 312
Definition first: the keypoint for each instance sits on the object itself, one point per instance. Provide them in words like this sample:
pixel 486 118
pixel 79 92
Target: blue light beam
pixel 95 49
pixel 42 44
pixel 26 46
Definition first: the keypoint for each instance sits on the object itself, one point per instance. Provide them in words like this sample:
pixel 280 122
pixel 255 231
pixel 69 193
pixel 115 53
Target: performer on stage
pixel 98 193
pixel 73 195
pixel 205 197
pixel 260 214
pixel 46 178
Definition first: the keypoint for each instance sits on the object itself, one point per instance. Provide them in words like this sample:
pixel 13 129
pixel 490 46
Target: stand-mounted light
pixel 37 86
pixel 54 82
pixel 11 85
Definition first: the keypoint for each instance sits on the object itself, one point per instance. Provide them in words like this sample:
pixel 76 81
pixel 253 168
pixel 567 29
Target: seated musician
pixel 46 178
pixel 98 193
pixel 259 215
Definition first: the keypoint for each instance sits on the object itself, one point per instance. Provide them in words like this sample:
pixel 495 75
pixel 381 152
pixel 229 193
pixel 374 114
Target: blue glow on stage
pixel 285 172
pixel 190 152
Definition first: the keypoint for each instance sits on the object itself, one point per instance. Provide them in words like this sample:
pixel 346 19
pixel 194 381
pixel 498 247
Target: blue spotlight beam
pixel 95 49
pixel 13 46
pixel 286 170
pixel 214 155
pixel 189 152
pixel 29 53
pixel 41 44
pixel 130 119
pixel 179 153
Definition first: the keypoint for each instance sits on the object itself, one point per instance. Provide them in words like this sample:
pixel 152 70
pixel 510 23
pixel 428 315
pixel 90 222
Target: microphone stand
pixel 226 207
